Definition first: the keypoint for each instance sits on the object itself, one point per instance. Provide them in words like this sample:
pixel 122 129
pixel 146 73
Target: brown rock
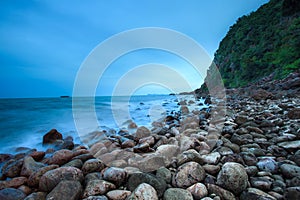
pixel 93 165
pixel 142 132
pixel 115 175
pixel 30 166
pixel 224 194
pixel 34 178
pixel 261 94
pixel 198 191
pixel 118 194
pixel 97 187
pixel 13 183
pixel 36 196
pixel 61 157
pixel 37 155
pixel 143 191
pixel 12 168
pixel 52 136
pixel 294 113
pixel 25 189
pixel 70 190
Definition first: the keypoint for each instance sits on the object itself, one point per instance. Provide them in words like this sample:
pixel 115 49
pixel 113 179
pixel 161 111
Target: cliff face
pixel 262 43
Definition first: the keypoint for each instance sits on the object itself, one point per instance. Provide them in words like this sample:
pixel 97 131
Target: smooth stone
pixel 249 158
pixel 292 193
pixel 138 178
pixel 97 187
pixel 212 158
pixel 12 168
pixel 290 171
pixel 261 183
pixel 296 157
pixel 61 157
pixel 221 192
pixel 34 178
pixel 52 136
pixel 198 191
pixel 188 156
pixel 177 194
pixel 211 169
pixel 167 151
pixel 14 182
pixel 253 193
pixel 92 176
pixel 251 170
pixel 101 197
pixel 143 192
pixel 225 151
pixel 293 182
pixel 268 165
pixel 142 132
pixel 233 177
pixel 30 166
pixel 151 163
pixel 51 178
pixel 37 155
pixel 118 194
pixel 36 196
pixel 92 165
pixel 70 190
pixel 115 175
pixel 290 145
pixel 11 194
pixel 74 163
pixel 188 174
pixel 165 174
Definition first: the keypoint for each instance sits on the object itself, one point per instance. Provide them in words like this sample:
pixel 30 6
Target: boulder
pixel 93 165
pixel 52 136
pixel 36 196
pixel 253 193
pixel 118 194
pixel 198 191
pixel 177 194
pixel 34 178
pixel 70 190
pixel 221 192
pixel 115 175
pixel 51 178
pixel 11 194
pixel 233 177
pixel 290 171
pixel 30 166
pixel 97 187
pixel 188 174
pixel 61 157
pixel 294 113
pixel 142 132
pixel 13 183
pixel 143 191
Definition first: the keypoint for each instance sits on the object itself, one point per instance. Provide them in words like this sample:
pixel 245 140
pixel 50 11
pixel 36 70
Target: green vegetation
pixel 263 42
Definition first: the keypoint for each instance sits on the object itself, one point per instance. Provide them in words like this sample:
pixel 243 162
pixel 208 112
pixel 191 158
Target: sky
pixel 44 43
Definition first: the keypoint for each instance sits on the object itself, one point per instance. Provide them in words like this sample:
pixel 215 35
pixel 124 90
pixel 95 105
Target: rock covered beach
pixel 249 150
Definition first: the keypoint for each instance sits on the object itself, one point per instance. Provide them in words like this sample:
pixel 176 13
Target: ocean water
pixel 23 122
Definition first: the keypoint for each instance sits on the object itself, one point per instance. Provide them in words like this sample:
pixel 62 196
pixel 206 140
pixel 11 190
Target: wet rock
pixel 164 174
pixel 97 187
pixel 233 177
pixel 52 136
pixel 70 190
pixel 93 165
pixel 30 166
pixel 224 194
pixel 61 157
pixel 292 145
pixel 51 178
pixel 249 158
pixel 36 196
pixel 34 178
pixel 184 109
pixel 293 182
pixel 143 191
pixel 294 113
pixel 251 170
pixel 14 182
pixel 118 194
pixel 37 155
pixel 74 163
pixel 188 174
pixel 198 190
pixel 290 171
pixel 292 193
pixel 212 158
pixel 212 169
pixel 11 194
pixel 12 168
pixel 253 193
pixel 142 132
pixel 177 194
pixel 268 165
pixel 101 197
pixel 138 178
pixel 115 175
pixel 261 183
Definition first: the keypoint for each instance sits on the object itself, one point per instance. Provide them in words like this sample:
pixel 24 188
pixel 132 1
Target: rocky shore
pixel 245 147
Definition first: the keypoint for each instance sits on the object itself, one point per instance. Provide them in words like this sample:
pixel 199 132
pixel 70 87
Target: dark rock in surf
pixel 52 136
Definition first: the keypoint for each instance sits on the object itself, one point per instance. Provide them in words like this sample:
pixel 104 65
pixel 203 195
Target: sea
pixel 24 121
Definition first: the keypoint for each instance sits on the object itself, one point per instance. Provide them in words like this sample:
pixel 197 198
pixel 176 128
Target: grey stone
pixel 177 194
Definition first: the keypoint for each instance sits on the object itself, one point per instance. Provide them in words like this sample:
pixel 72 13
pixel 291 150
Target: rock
pixel 177 194
pixel 188 174
pixel 128 144
pixel 290 171
pixel 11 194
pixel 138 178
pixel 249 158
pixel 241 119
pixel 13 183
pixel 184 109
pixel 198 190
pixel 292 193
pixel 93 165
pixel 97 187
pixel 142 148
pixel 151 163
pixel 212 158
pixel 294 113
pixel 118 194
pixel 143 191
pixel 92 176
pixel 261 94
pixel 261 183
pixel 74 163
pixel 292 145
pixel 268 165
pixel 30 166
pixel 51 178
pixel 253 193
pixel 233 177
pixel 36 196
pixel 189 155
pixel 115 175
pixel 167 151
pixel 37 155
pixel 12 168
pixel 142 132
pixel 83 157
pixel 296 157
pixel 102 197
pixel 34 178
pixel 212 169
pixel 61 157
pixel 164 173
pixel 70 190
pixel 224 194
pixel 52 136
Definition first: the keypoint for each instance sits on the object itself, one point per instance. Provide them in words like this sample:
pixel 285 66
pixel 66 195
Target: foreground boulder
pixel 70 190
pixel 143 191
pixel 11 194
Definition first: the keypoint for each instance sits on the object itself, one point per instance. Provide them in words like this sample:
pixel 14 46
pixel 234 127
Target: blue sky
pixel 44 42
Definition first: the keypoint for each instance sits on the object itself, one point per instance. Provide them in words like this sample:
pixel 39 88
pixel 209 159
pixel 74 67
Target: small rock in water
pixel 52 136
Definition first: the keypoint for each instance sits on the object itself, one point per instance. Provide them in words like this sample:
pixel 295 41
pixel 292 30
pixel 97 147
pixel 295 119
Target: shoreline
pixel 252 152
